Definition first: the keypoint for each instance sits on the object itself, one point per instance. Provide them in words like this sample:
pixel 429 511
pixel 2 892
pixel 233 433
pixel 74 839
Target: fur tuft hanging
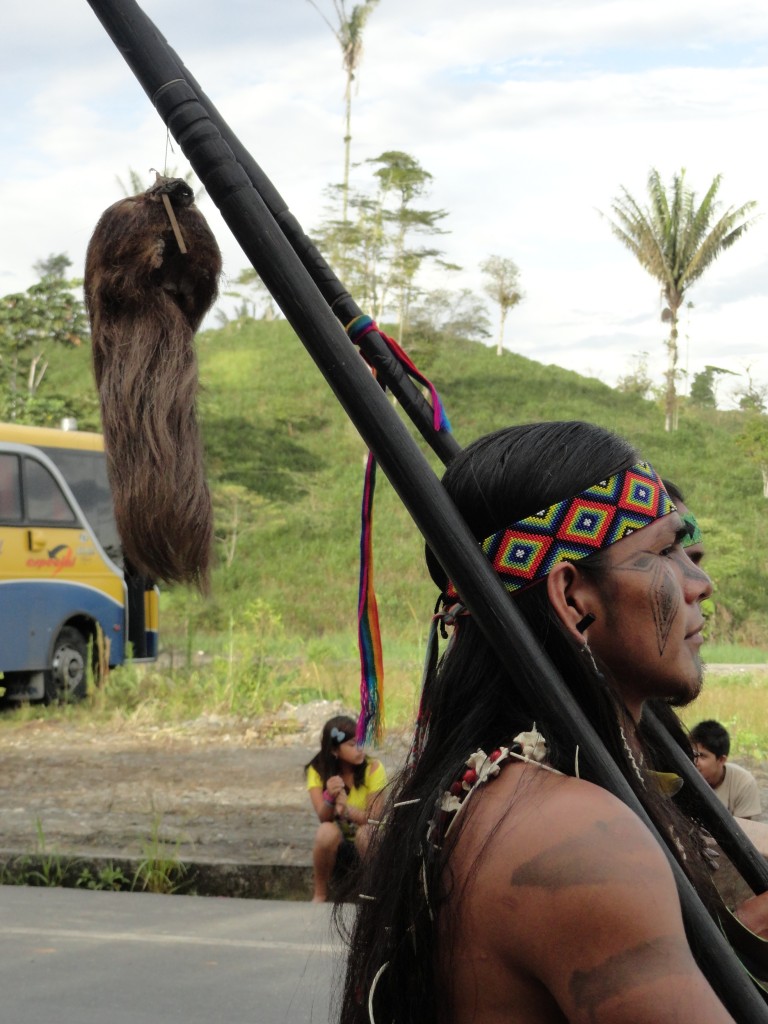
pixel 151 274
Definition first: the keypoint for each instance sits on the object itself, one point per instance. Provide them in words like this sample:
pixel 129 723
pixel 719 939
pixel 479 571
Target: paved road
pixel 75 957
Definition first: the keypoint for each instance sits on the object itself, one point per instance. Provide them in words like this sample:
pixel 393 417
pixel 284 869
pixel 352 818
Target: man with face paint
pixel 507 885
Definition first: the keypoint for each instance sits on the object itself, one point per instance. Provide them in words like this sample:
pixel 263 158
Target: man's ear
pixel 572 596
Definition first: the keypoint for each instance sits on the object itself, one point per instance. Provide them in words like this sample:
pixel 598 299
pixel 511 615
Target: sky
pixel 530 116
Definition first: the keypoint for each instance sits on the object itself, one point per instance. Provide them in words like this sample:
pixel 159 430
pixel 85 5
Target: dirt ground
pixel 213 789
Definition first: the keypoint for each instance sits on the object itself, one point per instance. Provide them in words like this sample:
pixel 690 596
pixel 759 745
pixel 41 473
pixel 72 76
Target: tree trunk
pixel 347 145
pixel 764 471
pixel 670 397
pixel 35 378
pixel 502 321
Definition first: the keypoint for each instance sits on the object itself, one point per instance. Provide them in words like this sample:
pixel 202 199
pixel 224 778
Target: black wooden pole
pixel 281 269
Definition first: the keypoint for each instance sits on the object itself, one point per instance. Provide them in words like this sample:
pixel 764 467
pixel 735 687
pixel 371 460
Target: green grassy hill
pixel 286 469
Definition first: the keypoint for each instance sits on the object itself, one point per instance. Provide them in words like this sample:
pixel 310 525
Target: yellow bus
pixel 65 589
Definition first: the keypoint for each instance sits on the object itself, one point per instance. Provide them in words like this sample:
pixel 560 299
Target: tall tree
pixel 379 252
pixel 675 240
pixel 48 312
pixel 704 386
pixel 503 287
pixel 402 180
pixel 752 396
pixel 637 380
pixel 348 31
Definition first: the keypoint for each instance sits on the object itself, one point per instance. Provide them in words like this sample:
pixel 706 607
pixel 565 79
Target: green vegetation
pixel 286 468
pixel 159 869
pixel 380 252
pixel 47 316
pixel 737 699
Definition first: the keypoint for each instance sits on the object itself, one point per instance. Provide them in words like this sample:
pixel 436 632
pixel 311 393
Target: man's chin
pixel 688 694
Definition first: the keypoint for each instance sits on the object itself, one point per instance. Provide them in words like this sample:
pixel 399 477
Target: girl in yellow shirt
pixel 343 784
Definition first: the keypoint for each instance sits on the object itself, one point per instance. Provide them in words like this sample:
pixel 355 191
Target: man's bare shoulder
pixel 556 831
pixel 582 899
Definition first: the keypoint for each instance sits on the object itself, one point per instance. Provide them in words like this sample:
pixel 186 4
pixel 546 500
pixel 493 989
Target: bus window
pixel 10 491
pixel 45 502
pixel 86 474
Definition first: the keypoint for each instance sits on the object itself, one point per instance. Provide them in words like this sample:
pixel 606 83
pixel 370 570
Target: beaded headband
pixel 574 528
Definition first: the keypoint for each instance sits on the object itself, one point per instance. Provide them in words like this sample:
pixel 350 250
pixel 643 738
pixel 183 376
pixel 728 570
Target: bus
pixel 68 600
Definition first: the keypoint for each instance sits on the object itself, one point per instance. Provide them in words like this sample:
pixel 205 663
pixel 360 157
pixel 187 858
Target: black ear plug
pixel 583 624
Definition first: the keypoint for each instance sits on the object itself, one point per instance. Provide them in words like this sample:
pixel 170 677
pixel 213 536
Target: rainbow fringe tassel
pixel 371 721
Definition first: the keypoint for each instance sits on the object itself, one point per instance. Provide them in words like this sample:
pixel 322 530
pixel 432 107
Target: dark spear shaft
pixel 281 270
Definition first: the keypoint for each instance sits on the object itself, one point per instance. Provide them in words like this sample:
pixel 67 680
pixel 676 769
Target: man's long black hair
pixel 473 701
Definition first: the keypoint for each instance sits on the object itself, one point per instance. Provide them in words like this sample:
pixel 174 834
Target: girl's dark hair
pixel 473 701
pixel 325 762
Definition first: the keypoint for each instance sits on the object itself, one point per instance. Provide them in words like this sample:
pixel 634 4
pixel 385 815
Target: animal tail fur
pixel 146 298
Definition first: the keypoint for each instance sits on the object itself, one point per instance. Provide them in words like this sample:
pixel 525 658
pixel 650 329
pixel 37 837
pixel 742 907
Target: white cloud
pixel 530 116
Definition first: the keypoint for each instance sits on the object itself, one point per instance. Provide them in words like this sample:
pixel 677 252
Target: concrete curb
pixel 199 877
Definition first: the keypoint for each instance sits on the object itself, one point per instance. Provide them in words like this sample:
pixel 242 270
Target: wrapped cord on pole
pixel 283 272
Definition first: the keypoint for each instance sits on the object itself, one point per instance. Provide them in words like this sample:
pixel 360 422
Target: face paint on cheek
pixel 691 571
pixel 665 604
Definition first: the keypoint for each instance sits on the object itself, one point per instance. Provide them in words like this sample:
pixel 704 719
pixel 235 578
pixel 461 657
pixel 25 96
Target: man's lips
pixel 695 632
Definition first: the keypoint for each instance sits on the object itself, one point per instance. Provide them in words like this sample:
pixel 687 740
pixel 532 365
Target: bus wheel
pixel 67 679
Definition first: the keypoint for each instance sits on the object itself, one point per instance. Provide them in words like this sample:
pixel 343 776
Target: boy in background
pixel 732 784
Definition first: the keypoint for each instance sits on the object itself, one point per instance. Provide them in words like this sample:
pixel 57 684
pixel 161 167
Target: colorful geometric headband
pixel 577 527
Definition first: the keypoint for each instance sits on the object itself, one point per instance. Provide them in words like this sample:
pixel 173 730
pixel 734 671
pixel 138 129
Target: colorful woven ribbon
pixel 603 514
pixel 371 719
pixel 370 723
pixel 363 325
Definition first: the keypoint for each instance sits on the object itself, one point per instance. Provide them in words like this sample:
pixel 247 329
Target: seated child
pixel 733 785
pixel 343 784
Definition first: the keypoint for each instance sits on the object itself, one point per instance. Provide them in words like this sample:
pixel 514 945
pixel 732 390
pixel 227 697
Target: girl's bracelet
pixel 327 798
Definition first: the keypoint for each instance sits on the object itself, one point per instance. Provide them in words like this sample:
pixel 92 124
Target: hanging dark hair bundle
pixel 151 274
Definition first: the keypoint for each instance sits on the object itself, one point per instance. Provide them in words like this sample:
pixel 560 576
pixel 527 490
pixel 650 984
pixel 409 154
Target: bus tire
pixel 67 678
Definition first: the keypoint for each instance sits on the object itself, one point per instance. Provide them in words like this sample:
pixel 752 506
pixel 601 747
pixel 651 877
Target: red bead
pixel 470 777
pixel 495 755
pixel 456 789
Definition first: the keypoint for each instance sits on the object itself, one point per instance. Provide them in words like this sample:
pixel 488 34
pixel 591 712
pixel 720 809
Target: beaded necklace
pixel 480 768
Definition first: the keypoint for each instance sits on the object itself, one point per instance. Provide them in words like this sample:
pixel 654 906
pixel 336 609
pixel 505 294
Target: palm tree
pixel 675 241
pixel 349 35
